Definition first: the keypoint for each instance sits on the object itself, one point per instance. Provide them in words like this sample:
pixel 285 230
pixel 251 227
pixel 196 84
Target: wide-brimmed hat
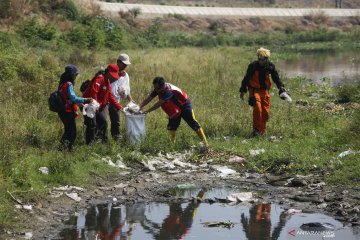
pixel 123 57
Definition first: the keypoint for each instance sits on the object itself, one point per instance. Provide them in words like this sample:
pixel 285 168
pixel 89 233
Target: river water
pixel 195 220
pixel 332 66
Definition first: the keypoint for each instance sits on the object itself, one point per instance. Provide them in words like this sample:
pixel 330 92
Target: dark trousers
pixel 115 122
pixel 187 114
pixel 69 136
pixel 96 128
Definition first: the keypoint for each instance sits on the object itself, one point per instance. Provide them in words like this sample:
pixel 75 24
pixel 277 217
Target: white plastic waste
pixel 133 107
pixel 135 126
pixel 285 96
pixel 240 197
pixel 89 109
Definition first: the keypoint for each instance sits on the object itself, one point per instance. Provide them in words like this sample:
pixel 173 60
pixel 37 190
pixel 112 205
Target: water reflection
pixel 177 220
pixel 258 224
pixel 337 67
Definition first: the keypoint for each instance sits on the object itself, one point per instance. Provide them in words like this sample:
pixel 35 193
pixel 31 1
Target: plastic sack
pixel 135 126
pixel 285 96
pixel 90 109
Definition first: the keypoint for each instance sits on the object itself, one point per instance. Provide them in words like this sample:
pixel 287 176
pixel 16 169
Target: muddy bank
pixel 153 181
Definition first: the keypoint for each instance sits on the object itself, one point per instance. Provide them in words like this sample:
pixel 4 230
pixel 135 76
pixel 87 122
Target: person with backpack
pixel 257 82
pixel 69 113
pixel 99 89
pixel 177 105
pixel 120 88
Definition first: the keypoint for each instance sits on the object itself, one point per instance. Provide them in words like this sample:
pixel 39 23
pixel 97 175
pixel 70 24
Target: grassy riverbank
pixel 308 136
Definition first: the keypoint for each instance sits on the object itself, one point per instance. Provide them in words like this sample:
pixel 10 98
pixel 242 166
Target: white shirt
pixel 121 85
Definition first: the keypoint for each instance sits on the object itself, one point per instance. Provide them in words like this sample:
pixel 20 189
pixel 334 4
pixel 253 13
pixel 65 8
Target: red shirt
pixel 100 90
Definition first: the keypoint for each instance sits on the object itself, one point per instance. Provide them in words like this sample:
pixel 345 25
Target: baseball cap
pixel 72 69
pixel 113 69
pixel 123 57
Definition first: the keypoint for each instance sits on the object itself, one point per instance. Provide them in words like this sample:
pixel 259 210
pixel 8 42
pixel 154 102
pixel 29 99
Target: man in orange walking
pixel 257 82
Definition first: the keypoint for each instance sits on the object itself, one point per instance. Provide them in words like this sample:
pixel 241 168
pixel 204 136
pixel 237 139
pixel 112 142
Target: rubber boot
pixel 172 136
pixel 201 134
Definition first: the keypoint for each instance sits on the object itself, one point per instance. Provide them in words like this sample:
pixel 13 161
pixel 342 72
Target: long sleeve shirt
pixel 257 76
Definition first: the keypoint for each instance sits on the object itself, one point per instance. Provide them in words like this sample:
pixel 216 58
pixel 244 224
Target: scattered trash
pixel 292 211
pixel 219 224
pixel 345 153
pixel 28 235
pixel 186 186
pixel 132 107
pixel 223 170
pixel 69 188
pixel 236 159
pixel 27 207
pixel 316 226
pixel 74 196
pixel 255 152
pixel 240 197
pixel 90 109
pixel 44 170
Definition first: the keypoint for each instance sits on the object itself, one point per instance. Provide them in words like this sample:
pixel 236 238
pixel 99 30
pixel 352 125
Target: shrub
pixel 317 17
pixel 33 30
pixel 348 93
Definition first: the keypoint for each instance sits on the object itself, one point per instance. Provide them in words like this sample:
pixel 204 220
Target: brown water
pixel 333 67
pixel 141 221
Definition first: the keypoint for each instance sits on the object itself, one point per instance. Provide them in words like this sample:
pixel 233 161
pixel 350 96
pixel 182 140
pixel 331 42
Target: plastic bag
pixel 90 109
pixel 285 96
pixel 133 107
pixel 135 126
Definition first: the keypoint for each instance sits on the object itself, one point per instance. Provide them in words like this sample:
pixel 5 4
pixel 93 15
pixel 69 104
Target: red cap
pixel 113 69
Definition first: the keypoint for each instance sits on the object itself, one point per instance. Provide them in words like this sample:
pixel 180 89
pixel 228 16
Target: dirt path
pixel 151 182
pixel 156 10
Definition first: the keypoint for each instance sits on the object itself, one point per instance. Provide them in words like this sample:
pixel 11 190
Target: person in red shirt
pixel 99 89
pixel 177 105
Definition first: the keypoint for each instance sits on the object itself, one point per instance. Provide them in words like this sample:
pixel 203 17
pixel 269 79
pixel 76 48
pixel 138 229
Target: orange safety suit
pixel 257 82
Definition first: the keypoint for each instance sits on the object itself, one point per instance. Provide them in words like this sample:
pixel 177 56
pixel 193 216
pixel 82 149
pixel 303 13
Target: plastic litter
pixel 292 211
pixel 132 107
pixel 44 170
pixel 224 171
pixel 240 197
pixel 74 196
pixel 90 109
pixel 345 153
pixel 255 152
pixel 285 96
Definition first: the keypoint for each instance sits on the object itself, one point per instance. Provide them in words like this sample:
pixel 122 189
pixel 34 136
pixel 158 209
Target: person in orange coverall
pixel 257 82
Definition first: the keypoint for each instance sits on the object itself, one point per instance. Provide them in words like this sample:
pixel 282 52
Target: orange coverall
pixel 257 82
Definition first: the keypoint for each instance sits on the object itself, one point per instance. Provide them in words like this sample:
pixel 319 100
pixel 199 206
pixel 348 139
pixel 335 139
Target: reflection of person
pixel 257 81
pixel 258 225
pixel 68 116
pixel 179 221
pixel 99 89
pixel 177 101
pixel 120 88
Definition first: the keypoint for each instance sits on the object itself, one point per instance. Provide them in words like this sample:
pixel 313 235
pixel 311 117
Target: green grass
pixel 309 137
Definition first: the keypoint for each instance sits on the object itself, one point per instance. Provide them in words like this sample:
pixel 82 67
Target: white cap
pixel 123 57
